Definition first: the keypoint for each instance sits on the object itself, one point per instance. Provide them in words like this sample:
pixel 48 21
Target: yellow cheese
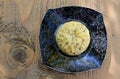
pixel 73 38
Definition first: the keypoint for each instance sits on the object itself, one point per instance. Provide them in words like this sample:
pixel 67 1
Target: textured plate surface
pixel 53 57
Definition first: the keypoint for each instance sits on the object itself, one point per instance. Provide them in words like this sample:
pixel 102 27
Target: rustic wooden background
pixel 19 30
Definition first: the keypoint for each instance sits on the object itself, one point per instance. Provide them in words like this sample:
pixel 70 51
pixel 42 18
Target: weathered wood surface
pixel 19 30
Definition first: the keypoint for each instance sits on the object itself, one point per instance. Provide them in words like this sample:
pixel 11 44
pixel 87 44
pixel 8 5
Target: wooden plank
pixel 19 45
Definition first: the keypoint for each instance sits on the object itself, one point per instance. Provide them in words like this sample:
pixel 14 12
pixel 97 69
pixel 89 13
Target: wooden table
pixel 19 45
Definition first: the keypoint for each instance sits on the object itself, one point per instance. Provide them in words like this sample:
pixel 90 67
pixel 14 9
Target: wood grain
pixel 19 45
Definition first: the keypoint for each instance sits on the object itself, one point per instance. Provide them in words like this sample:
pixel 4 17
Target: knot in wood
pixel 19 55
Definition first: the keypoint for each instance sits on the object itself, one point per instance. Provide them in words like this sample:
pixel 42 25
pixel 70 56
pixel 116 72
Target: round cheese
pixel 73 38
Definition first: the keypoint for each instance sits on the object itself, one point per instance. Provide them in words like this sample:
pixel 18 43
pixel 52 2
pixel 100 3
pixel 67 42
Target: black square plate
pixel 92 58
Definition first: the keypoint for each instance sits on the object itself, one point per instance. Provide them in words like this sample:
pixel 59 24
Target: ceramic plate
pixel 91 58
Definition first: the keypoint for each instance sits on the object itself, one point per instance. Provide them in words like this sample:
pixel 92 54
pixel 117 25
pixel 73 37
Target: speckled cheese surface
pixel 73 38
